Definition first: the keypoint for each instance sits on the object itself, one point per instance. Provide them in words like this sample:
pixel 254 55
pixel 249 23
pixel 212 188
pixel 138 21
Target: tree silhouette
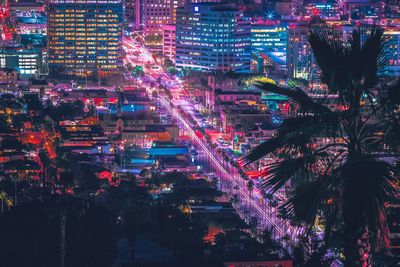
pixel 333 157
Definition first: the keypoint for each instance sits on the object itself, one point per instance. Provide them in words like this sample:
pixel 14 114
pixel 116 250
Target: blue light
pixel 276 119
pixel 270 14
pixel 196 9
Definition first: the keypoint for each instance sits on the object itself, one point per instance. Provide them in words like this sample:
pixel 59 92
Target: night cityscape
pixel 231 133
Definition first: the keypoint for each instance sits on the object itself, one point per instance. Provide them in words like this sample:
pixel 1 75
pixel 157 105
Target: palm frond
pixel 330 57
pixel 392 136
pixel 298 132
pixel 350 65
pixel 279 173
pixel 296 94
pixel 300 170
pixel 371 59
pixel 327 123
pixel 304 203
pixel 367 185
pixel 390 95
pixel 275 143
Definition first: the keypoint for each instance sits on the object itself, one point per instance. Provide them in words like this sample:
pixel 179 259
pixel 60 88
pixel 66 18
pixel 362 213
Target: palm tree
pixel 250 187
pixel 333 160
pixel 44 162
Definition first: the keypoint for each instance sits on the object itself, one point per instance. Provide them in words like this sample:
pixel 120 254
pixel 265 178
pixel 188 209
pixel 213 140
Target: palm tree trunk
pixel 15 192
pixel 63 222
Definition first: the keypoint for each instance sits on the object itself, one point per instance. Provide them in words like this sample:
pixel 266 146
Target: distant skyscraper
pixel 169 41
pixel 84 36
pixel 391 50
pixel 155 13
pixel 268 41
pixel 132 14
pixel 361 9
pixel 300 59
pixel 299 55
pixel 212 37
pixel 267 37
pixel 327 11
pixel 289 7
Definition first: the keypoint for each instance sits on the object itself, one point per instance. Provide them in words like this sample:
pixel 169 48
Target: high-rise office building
pixel 299 56
pixel 85 36
pixel 299 59
pixel 326 11
pixel 169 41
pixel 212 37
pixel 155 13
pixel 131 12
pixel 288 8
pixel 361 9
pixel 391 50
pixel 268 36
pixel 268 45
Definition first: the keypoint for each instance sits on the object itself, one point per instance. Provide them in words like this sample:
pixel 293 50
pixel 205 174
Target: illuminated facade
pixel 299 55
pixel 391 46
pixel 268 46
pixel 84 36
pixel 326 11
pixel 289 8
pixel 391 50
pixel 31 26
pixel 300 59
pixel 212 37
pixel 169 41
pixel 155 13
pixel 361 9
pixel 268 38
pixel 26 62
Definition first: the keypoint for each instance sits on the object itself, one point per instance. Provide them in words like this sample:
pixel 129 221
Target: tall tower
pixel 85 36
pixel 155 13
pixel 212 37
pixel 299 54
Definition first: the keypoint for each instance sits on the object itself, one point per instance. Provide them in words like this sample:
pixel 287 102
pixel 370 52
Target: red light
pixel 315 11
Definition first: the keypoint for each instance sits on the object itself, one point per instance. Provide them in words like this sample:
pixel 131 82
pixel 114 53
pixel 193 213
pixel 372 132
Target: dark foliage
pixel 337 163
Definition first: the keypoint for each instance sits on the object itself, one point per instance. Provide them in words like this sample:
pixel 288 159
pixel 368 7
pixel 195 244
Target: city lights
pixel 199 133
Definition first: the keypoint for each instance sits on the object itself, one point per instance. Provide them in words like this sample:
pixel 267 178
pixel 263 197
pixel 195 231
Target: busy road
pixel 250 202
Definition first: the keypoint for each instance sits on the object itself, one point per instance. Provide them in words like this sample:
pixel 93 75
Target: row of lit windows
pixel 82 10
pixel 82 26
pixel 88 34
pixel 80 39
pixel 110 34
pixel 66 61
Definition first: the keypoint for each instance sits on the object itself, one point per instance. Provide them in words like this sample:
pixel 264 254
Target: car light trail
pixel 267 217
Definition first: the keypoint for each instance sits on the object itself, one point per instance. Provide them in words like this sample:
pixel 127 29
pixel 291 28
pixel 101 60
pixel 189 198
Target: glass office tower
pixel 85 36
pixel 212 37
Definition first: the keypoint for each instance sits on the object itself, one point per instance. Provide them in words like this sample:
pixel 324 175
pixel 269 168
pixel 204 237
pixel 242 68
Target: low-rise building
pixel 27 62
pixel 9 78
pixel 245 116
pixel 145 135
pixel 234 96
